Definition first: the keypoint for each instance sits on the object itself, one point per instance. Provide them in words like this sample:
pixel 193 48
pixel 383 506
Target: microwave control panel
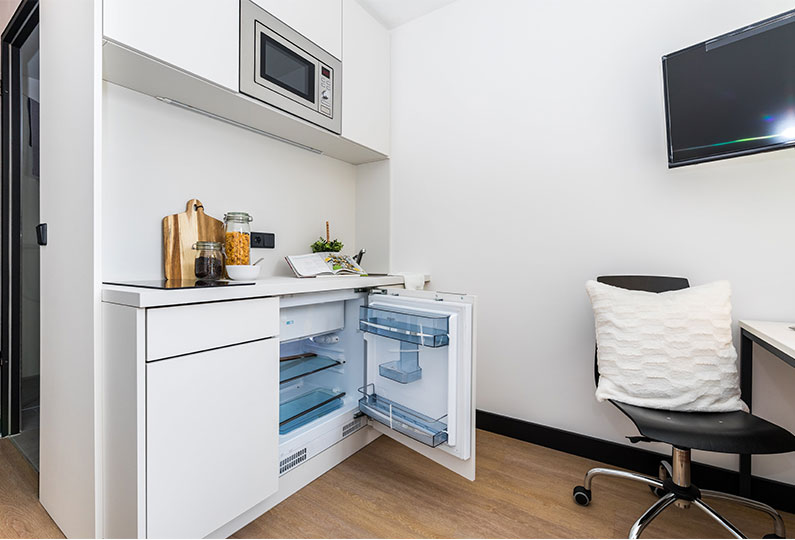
pixel 326 100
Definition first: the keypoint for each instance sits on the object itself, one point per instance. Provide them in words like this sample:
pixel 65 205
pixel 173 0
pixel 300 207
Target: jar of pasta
pixel 237 237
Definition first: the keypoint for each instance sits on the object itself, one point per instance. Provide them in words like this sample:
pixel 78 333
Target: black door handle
pixel 41 234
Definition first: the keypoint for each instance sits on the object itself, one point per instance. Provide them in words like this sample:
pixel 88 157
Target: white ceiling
pixel 393 13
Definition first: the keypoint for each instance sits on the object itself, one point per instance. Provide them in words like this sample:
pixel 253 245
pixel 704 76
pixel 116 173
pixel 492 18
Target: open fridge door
pixel 420 381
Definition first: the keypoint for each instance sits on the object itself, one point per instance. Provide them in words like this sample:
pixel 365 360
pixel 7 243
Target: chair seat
pixel 731 432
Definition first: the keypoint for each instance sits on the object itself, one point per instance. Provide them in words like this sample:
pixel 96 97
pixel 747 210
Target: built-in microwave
pixel 286 70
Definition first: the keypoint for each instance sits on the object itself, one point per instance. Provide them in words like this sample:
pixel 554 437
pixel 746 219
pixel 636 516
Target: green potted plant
pixel 327 245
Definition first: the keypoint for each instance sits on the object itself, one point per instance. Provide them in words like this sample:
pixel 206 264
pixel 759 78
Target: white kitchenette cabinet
pixel 187 53
pixel 190 415
pixel 366 55
pixel 320 21
pixel 211 419
pixel 199 36
pixel 217 408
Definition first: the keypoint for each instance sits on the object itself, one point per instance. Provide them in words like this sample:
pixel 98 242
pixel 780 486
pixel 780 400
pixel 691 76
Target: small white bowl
pixel 242 272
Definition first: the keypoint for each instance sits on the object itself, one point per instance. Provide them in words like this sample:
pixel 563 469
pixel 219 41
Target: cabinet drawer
pixel 172 331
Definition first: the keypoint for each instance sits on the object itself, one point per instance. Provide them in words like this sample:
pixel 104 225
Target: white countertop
pixel 778 334
pixel 275 286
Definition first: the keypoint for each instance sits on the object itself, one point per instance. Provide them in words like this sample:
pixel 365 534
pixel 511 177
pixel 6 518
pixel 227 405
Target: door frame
pixel 22 24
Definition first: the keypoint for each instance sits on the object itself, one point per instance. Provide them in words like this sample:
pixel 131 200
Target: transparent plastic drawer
pixel 307 407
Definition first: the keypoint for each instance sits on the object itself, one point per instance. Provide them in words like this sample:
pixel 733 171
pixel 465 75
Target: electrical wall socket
pixel 263 240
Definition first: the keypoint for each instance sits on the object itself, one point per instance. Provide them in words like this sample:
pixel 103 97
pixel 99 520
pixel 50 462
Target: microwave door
pixel 286 70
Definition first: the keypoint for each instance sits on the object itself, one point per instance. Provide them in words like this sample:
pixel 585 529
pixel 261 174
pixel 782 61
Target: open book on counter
pixel 324 264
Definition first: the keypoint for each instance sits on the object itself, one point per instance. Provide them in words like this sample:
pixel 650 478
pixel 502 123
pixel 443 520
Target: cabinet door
pixel 212 442
pixel 365 78
pixel 319 21
pixel 421 373
pixel 199 36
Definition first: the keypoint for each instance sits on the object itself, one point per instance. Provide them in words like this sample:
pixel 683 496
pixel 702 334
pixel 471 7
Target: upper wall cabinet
pixel 320 21
pixel 170 48
pixel 366 71
pixel 199 36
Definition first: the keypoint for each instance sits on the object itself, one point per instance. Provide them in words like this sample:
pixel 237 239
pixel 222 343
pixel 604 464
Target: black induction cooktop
pixel 177 283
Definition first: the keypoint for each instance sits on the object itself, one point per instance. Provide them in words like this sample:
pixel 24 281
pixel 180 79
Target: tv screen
pixel 732 95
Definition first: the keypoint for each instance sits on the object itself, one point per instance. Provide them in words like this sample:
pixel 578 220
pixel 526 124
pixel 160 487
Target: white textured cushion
pixel 671 350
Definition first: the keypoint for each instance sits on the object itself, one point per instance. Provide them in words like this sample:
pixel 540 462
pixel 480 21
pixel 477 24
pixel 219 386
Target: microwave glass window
pixel 283 67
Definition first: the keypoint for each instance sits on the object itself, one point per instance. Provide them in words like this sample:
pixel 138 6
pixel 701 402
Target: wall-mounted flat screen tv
pixel 732 95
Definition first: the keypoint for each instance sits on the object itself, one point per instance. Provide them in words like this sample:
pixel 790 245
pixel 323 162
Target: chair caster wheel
pixel 772 535
pixel 658 492
pixel 582 496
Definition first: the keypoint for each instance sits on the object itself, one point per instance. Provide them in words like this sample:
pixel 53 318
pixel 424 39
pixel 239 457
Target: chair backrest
pixel 655 284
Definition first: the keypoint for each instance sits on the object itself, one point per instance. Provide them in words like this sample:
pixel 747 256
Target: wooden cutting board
pixel 180 232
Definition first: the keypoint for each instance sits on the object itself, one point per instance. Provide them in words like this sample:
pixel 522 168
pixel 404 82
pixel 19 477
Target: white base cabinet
pixel 212 443
pixel 215 412
pixel 190 430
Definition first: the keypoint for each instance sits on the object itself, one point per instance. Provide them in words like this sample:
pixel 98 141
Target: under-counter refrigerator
pixel 401 361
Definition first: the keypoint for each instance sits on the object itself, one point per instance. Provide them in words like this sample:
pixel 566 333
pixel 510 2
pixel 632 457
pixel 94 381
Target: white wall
pixel 373 216
pixel 157 157
pixel 528 155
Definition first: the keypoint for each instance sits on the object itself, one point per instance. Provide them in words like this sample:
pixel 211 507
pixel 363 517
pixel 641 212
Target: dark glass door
pixel 286 68
pixel 19 347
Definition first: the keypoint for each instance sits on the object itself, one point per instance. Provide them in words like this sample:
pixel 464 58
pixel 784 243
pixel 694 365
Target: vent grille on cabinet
pixel 349 428
pixel 291 461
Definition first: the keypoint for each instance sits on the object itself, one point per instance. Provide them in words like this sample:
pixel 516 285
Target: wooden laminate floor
pixel 388 491
pixel 21 514
pixel 521 491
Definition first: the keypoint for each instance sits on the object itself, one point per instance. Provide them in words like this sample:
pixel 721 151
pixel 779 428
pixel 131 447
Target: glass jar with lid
pixel 237 238
pixel 209 264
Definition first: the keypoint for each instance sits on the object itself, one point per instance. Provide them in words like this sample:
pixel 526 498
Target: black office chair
pixel 733 433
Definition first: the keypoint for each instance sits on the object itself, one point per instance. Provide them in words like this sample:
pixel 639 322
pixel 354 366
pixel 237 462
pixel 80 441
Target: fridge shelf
pixel 419 328
pixel 419 427
pixel 307 407
pixel 295 367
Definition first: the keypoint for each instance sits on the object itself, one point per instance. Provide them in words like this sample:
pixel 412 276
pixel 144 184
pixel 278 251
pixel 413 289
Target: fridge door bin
pixel 418 328
pixel 307 407
pixel 295 367
pixel 419 427
pixel 405 370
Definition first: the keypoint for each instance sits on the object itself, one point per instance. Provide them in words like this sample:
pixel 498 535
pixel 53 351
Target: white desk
pixel 775 337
